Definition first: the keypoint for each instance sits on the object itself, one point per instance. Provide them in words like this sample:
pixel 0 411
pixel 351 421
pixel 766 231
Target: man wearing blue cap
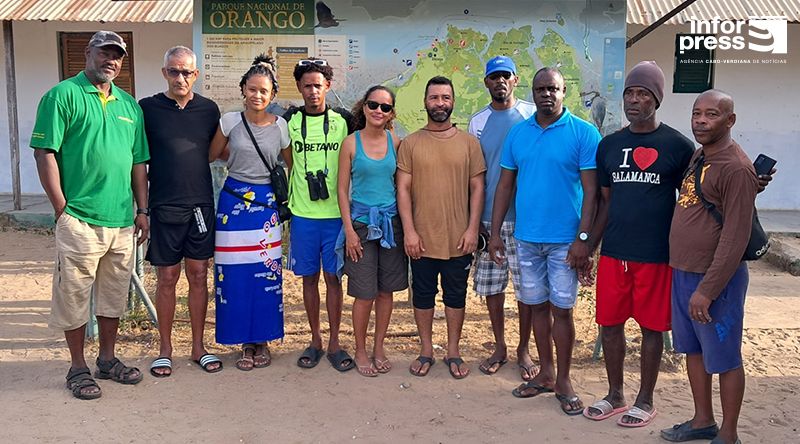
pixel 490 125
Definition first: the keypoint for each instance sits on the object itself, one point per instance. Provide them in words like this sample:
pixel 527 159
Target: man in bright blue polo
pixel 551 156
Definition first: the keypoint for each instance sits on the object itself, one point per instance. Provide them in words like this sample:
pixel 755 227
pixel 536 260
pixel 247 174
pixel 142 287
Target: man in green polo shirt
pixel 90 150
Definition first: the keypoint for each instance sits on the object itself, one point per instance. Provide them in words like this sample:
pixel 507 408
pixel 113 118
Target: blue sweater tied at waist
pixel 379 226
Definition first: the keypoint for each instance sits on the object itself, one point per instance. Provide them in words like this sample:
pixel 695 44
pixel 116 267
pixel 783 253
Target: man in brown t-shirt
pixel 710 280
pixel 440 188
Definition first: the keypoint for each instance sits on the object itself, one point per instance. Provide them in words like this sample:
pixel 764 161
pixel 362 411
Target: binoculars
pixel 317 186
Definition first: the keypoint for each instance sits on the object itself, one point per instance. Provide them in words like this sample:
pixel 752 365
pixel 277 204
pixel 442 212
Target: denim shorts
pixel 719 341
pixel 545 275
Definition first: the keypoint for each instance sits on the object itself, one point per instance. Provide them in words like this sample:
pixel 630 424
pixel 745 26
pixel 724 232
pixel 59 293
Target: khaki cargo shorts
pixel 89 255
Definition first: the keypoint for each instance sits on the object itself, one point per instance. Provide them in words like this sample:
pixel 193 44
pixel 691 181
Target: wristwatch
pixel 583 236
pixel 145 211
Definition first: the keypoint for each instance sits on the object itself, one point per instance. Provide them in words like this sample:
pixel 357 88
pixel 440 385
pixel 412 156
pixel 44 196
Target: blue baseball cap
pixel 500 63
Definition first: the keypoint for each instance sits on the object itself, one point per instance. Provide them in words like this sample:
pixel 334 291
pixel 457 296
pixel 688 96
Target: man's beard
pixel 100 75
pixel 439 115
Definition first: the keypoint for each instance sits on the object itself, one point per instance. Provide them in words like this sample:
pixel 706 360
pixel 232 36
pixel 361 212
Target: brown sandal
pixel 246 363
pixel 263 359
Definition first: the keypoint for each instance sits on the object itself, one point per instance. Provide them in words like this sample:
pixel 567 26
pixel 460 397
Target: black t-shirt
pixel 643 170
pixel 179 140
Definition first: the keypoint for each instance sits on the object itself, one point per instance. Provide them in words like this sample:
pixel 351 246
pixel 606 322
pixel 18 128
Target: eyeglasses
pixel 385 107
pixel 174 73
pixel 496 75
pixel 318 62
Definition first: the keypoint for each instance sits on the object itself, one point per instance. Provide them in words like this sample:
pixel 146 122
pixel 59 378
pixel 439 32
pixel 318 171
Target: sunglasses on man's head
pixel 496 75
pixel 174 73
pixel 319 62
pixel 385 107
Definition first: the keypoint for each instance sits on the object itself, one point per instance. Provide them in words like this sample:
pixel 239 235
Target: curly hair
pixel 359 119
pixel 325 70
pixel 263 65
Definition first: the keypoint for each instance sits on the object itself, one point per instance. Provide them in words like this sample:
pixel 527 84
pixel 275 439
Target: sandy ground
pixel 283 403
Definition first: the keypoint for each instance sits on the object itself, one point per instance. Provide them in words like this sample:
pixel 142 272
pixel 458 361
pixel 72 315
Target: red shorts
pixel 637 290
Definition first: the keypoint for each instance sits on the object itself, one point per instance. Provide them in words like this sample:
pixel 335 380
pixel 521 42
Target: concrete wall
pixel 36 48
pixel 767 97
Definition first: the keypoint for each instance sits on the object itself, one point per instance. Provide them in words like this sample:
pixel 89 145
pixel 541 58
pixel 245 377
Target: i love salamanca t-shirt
pixel 643 170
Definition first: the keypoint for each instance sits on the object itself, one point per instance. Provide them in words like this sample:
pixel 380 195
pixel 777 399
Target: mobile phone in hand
pixel 764 164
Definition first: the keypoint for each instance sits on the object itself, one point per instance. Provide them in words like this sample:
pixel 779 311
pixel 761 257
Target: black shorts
pixel 176 234
pixel 425 276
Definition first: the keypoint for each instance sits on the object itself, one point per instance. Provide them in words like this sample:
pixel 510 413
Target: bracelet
pixel 145 211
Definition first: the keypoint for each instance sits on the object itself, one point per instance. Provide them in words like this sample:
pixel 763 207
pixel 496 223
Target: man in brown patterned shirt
pixel 710 279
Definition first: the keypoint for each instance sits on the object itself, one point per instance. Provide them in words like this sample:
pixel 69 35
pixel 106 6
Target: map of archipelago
pixel 403 43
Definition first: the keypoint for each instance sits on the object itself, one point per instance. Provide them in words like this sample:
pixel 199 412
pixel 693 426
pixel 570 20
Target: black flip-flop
pixel 566 401
pixel 539 389
pixel 161 363
pixel 313 355
pixel 338 358
pixel 422 361
pixel 529 369
pixel 457 362
pixel 491 363
pixel 206 360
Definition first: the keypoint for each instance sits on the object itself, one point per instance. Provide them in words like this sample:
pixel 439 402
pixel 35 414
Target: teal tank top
pixel 372 180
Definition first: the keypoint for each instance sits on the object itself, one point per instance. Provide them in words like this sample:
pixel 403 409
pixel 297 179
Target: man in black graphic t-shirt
pixel 180 125
pixel 639 169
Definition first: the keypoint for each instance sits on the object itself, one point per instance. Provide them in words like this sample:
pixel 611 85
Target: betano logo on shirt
pixel 299 146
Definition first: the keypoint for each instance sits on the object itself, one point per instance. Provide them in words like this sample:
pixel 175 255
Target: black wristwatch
pixel 583 236
pixel 145 211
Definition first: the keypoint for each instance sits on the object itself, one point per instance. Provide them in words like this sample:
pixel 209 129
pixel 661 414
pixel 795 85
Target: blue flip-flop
pixel 338 360
pixel 312 354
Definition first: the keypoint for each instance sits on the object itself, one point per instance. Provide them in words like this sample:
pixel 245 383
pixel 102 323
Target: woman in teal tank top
pixel 375 262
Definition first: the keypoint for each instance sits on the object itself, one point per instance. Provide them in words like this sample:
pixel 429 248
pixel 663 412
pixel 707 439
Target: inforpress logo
pixel 768 35
pixel 761 34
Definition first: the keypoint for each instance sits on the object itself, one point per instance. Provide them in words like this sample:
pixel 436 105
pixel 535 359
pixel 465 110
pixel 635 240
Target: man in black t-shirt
pixel 639 169
pixel 180 125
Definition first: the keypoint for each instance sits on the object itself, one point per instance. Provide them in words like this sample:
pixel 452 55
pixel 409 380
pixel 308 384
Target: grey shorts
pixel 379 269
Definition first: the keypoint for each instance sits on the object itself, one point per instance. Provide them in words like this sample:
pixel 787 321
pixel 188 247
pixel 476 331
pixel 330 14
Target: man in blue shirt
pixel 551 157
pixel 491 125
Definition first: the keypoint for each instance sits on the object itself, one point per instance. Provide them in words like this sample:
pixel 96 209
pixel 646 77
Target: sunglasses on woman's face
pixel 385 107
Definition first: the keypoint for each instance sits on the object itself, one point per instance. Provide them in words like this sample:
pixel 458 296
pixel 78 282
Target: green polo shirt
pixel 97 140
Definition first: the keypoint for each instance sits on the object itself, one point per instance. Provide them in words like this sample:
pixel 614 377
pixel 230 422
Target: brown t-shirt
pixel 440 169
pixel 697 243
